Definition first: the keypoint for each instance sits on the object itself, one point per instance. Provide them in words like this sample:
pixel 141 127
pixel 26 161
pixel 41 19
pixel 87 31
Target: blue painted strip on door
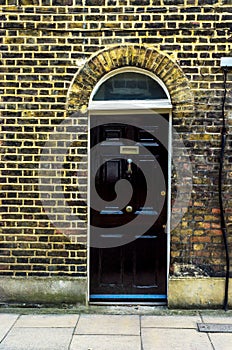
pixel 128 296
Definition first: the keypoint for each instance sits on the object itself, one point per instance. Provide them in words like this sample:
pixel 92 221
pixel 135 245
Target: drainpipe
pixel 225 63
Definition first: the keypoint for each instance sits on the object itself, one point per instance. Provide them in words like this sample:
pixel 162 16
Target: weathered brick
pixel 44 44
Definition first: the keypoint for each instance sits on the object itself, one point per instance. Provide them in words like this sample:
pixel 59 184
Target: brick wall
pixel 44 43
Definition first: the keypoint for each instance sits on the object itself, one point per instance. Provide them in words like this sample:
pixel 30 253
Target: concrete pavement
pixel 79 331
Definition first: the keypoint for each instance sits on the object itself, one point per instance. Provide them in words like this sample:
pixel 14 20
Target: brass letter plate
pixel 129 149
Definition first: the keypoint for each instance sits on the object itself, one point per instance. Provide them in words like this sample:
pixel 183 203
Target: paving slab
pixel 217 319
pixel 49 321
pixel 6 322
pixel 221 341
pixel 108 324
pixel 170 321
pixel 105 342
pixel 174 339
pixel 37 339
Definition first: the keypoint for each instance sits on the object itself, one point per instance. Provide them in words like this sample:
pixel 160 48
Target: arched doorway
pixel 129 118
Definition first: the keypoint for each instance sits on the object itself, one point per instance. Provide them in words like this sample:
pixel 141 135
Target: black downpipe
pixel 223 223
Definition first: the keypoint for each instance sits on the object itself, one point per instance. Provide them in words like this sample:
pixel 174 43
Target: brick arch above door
pixel 144 57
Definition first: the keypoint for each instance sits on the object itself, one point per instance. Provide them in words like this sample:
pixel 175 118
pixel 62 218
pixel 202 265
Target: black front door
pixel 128 240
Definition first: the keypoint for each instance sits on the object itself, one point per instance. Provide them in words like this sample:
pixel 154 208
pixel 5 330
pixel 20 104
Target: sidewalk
pixel 111 332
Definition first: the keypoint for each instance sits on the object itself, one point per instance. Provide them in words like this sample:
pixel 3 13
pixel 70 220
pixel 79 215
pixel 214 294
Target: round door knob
pixel 129 209
pixel 163 193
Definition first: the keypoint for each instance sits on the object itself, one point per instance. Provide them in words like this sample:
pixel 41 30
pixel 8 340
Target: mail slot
pixel 129 150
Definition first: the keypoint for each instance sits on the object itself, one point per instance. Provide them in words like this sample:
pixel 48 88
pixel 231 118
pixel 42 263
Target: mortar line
pixel 10 329
pixel 140 331
pixel 73 332
pixel 208 336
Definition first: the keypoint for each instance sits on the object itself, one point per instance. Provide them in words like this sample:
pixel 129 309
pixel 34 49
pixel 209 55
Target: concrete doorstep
pixel 110 332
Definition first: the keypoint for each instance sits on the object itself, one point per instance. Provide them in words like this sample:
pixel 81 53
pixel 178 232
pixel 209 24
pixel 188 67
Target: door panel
pixel 110 267
pixel 138 269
